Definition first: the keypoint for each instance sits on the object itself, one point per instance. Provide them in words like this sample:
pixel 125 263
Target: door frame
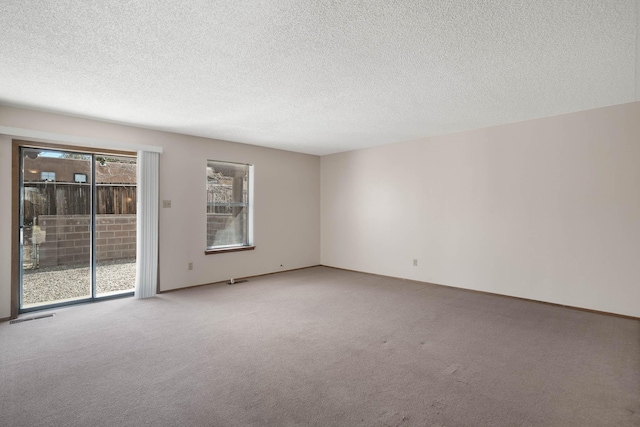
pixel 17 144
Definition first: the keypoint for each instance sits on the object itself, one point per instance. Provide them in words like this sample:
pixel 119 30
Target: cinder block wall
pixel 116 236
pixel 67 239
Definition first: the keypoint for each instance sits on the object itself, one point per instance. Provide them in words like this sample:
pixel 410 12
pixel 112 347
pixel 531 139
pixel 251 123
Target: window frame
pixel 248 207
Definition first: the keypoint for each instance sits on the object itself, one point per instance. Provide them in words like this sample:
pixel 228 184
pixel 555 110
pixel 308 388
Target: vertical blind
pixel 147 234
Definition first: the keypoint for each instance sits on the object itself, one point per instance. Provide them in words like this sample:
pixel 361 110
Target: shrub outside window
pixel 228 205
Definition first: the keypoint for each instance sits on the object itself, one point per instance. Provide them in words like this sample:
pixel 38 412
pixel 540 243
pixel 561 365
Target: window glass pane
pixel 48 176
pixel 227 204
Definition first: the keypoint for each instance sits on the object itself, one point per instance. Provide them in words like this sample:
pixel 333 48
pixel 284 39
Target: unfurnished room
pixel 320 213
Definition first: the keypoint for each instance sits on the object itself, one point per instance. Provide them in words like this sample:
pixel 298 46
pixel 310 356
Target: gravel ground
pixel 68 281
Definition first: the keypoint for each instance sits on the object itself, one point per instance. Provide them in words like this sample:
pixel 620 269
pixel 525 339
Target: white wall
pixel 546 209
pixel 286 208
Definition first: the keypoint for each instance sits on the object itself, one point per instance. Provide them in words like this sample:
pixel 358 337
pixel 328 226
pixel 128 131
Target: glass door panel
pixel 115 225
pixel 56 201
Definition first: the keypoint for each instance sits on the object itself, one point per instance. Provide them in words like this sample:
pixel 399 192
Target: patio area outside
pixel 67 282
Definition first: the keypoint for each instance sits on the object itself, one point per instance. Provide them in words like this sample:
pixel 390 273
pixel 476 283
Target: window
pixel 228 207
pixel 48 176
pixel 80 177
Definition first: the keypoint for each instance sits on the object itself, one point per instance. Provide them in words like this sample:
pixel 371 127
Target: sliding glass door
pixel 77 227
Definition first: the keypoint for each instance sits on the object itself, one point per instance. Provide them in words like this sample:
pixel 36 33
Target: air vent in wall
pixel 26 319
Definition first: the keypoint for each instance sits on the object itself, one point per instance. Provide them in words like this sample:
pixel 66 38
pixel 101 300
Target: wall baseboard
pixel 606 313
pixel 237 279
pixel 588 310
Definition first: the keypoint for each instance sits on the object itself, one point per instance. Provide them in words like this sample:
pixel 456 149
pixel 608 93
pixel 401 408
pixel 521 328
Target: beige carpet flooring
pixel 321 347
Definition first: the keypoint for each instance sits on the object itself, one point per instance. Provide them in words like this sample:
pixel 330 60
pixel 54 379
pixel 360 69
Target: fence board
pixel 46 198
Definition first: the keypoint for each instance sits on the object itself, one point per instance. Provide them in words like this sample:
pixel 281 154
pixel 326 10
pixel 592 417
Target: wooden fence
pixel 48 198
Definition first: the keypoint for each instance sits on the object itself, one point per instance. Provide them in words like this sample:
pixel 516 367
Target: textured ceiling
pixel 317 76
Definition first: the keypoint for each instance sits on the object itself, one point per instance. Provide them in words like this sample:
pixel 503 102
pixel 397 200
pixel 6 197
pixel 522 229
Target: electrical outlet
pixel 166 203
pixel 190 266
pixel 415 262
